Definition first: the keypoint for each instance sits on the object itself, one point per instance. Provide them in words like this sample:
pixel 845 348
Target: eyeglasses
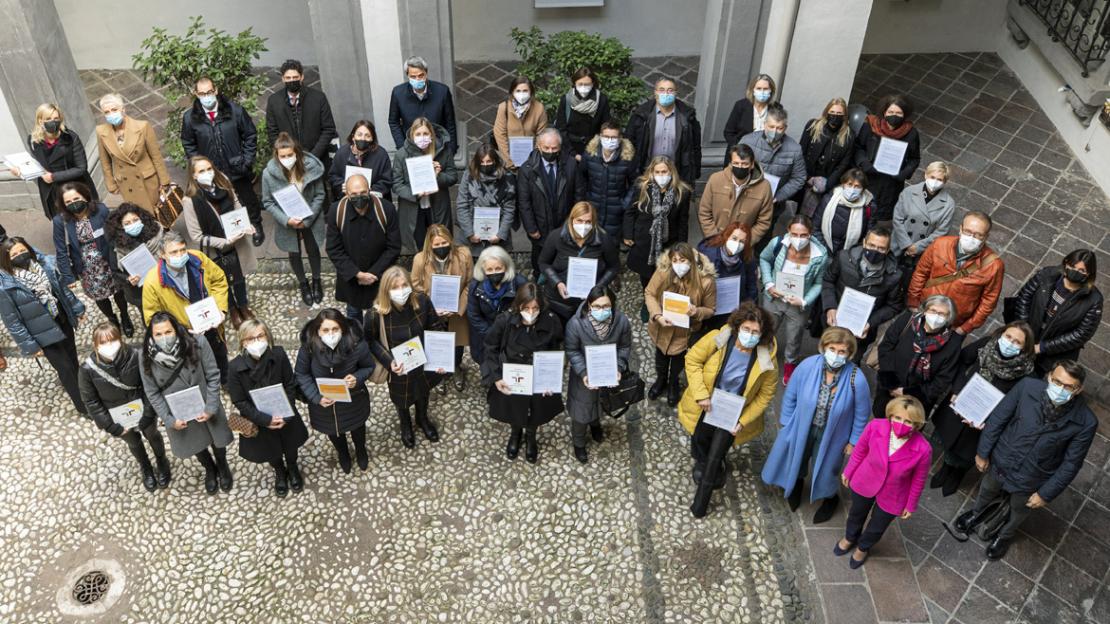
pixel 605 309
pixel 1066 386
pixel 668 91
pixel 975 235
pixel 206 93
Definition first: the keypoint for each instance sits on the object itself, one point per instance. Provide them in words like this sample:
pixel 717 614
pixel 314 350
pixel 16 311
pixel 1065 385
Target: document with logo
pixel 29 168
pixel 675 308
pixel 487 222
pixel 410 354
pixel 518 377
pixel 791 280
pixel 203 315
pixel 235 222
pixel 128 414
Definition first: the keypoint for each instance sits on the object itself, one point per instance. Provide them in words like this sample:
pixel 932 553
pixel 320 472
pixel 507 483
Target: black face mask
pixel 834 122
pixel 362 144
pixel 359 202
pixel 77 207
pixel 22 260
pixel 52 127
pixel 293 86
pixel 874 256
pixel 741 173
pixel 550 156
pixel 893 120
pixel 1075 276
pixel 441 252
pixel 487 169
pixel 495 278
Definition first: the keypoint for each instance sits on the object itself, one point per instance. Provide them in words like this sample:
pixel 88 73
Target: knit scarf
pixel 924 345
pixel 602 329
pixel 585 106
pixel 661 204
pixel 728 259
pixel 34 277
pixel 993 366
pixel 881 128
pixel 169 358
pixel 855 215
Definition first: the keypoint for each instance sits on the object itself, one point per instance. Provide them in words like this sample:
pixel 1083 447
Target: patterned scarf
pixel 924 345
pixel 169 358
pixel 601 329
pixel 993 366
pixel 520 110
pixel 584 106
pixel 661 204
pixel 34 277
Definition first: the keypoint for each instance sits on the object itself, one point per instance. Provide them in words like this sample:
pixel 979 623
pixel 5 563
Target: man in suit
pixel 302 112
pixel 547 185
pixel 419 97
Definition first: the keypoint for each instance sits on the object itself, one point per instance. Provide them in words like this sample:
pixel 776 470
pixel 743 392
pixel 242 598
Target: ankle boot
pixel 125 325
pixel 296 481
pixel 940 477
pixel 281 484
pixel 306 293
pixel 660 386
pixel 674 389
pixel 147 472
pixel 826 510
pixel 211 481
pixel 460 379
pixel 317 290
pixel 407 437
pixel 362 457
pixel 163 470
pixel 596 432
pixel 512 449
pixel 223 470
pixel 952 481
pixel 532 449
pixel 795 498
pixel 425 423
pixel 581 455
pixel 344 457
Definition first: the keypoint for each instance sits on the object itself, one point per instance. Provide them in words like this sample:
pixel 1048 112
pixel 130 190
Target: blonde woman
pixel 419 210
pixel 659 218
pixel 580 237
pixel 923 214
pixel 399 315
pixel 60 152
pixel 828 145
pixel 442 257
pixel 749 112
pixel 129 155
pixel 683 271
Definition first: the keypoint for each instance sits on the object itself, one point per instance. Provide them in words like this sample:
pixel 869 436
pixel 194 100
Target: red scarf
pixel 880 127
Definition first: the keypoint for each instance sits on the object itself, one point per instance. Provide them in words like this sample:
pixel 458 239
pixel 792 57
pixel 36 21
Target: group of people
pixel 587 191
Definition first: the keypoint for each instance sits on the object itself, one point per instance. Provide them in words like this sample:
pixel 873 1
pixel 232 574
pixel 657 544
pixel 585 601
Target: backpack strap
pixel 962 273
pixel 341 213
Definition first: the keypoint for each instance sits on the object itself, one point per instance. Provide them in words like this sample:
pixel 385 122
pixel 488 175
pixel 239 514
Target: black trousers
pixel 708 445
pixel 134 440
pixel 244 190
pixel 537 247
pixel 63 357
pixel 854 531
pixel 990 488
pixel 669 367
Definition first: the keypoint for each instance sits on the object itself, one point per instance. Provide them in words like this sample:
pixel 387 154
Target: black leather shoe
pixel 580 454
pixel 795 498
pixel 148 476
pixel 940 477
pixel 965 522
pixel 826 510
pixel 306 293
pixel 224 472
pixel 460 379
pixel 997 549
pixel 596 432
pixel 125 325
pixel 317 290
pixel 531 447
pixel 408 439
pixel 211 482
pixel 162 466
pixel 512 449
pixel 362 457
pixel 657 389
pixel 259 236
pixel 345 462
pixel 296 481
pixel 281 484
pixel 428 428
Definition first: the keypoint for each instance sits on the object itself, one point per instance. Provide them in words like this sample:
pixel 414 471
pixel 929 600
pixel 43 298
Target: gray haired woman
pixel 919 355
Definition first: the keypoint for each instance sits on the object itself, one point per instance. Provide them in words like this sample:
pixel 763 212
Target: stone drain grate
pixel 91 587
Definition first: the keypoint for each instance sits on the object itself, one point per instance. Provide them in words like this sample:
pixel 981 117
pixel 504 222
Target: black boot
pixel 259 236
pixel 997 548
pixel 148 473
pixel 426 425
pixel 531 448
pixel 361 456
pixel 660 386
pixel 125 325
pixel 580 454
pixel 317 290
pixel 952 482
pixel 223 469
pixel 407 437
pixel 596 432
pixel 211 482
pixel 344 456
pixel 826 510
pixel 281 484
pixel 296 481
pixel 940 477
pixel 460 379
pixel 163 470
pixel 674 389
pixel 795 498
pixel 699 472
pixel 306 293
pixel 512 449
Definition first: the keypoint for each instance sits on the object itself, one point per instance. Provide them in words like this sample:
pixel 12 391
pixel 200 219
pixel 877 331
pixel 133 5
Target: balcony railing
pixel 1082 27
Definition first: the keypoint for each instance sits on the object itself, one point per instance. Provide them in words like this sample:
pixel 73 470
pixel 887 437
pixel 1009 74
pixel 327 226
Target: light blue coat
pixel 848 415
pixel 771 263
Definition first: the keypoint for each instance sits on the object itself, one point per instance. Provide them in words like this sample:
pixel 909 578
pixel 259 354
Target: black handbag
pixel 628 392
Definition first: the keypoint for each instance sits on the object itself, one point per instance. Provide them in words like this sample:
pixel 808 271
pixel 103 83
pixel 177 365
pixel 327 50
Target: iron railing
pixel 1082 27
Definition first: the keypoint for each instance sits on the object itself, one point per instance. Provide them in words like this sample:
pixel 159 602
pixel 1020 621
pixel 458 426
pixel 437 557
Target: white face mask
pixel 206 178
pixel 331 339
pixel 933 184
pixel 734 246
pixel 258 347
pixel 663 180
pixel 681 268
pixel 610 143
pixel 969 244
pixel 529 317
pixel 422 141
pixel 400 295
pixel 583 229
pixel 108 350
pixel 936 321
pixel 288 162
pixel 799 242
pixel 522 97
pixel 583 91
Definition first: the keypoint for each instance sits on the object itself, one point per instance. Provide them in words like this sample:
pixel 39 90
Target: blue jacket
pixel 746 270
pixel 27 319
pixel 70 263
pixel 482 311
pixel 405 108
pixel 610 186
pixel 774 255
pixel 848 414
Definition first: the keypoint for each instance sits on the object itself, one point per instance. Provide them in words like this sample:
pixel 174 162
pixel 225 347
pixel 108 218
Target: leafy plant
pixel 174 62
pixel 550 60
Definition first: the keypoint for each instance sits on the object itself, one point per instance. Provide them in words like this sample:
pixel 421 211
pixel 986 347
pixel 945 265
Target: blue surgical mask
pixel 747 339
pixel 834 359
pixel 851 193
pixel 418 85
pixel 1058 394
pixel 208 101
pixel 115 118
pixel 1007 348
pixel 666 99
pixel 762 95
pixel 133 229
pixel 178 262
pixel 601 315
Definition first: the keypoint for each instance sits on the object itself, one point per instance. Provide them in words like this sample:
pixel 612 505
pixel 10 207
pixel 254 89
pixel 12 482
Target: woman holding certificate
pixel 733 256
pixel 522 116
pixel 262 386
pixel 919 355
pixel 130 227
pixel 844 213
pixel 443 267
pixel 1001 360
pixel 888 149
pixel 575 258
pixel 423 171
pixel 598 322
pixel 332 368
pixel 492 290
pixel 293 192
pixel 514 339
pixel 182 382
pixel 223 234
pixel 824 410
pixel 681 294
pixel 58 150
pixel 658 218
pixel 793 268
pixel 112 390
pixel 395 330
pixel 486 187
pixel 362 151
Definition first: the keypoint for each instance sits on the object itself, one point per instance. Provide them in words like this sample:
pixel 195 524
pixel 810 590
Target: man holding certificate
pixel 441 272
pixel 571 254
pixel 861 289
pixel 888 149
pixel 364 239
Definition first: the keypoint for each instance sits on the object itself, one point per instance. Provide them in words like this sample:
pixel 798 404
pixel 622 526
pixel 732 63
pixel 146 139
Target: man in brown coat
pixel 964 269
pixel 738 193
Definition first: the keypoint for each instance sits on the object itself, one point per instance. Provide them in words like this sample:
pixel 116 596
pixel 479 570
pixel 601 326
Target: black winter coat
pixel 1029 454
pixel 67 162
pixel 351 254
pixel 437 106
pixel 246 374
pixel 402 325
pixel 641 131
pixel 741 121
pixel 577 129
pixel 101 395
pixel 637 228
pixel 845 273
pixel 313 129
pixel 482 310
pixel 895 355
pixel 555 257
pixel 350 357
pixel 230 141
pixel 825 157
pixel 536 212
pixel 1075 323
pixel 885 188
pixel 510 340
pixel 376 159
pixel 609 185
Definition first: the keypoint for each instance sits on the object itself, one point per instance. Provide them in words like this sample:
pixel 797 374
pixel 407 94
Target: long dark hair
pixel 82 190
pixel 369 125
pixel 113 226
pixel 310 335
pixel 188 344
pixel 1088 258
pixel 6 253
pixel 749 311
pixel 485 149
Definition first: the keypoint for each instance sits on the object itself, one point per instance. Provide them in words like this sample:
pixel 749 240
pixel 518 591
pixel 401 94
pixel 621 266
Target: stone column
pixel 425 27
pixel 338 31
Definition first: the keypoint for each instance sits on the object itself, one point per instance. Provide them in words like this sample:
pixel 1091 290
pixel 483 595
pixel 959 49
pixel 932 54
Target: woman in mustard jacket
pixel 738 358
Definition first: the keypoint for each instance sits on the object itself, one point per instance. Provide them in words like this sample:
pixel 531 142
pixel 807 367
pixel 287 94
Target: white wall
pixel 901 26
pixel 649 27
pixel 104 35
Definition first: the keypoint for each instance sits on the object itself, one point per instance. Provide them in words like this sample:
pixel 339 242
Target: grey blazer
pixel 914 222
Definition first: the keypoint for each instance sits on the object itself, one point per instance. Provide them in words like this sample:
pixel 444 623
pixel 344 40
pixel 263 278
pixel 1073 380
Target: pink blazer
pixel 895 481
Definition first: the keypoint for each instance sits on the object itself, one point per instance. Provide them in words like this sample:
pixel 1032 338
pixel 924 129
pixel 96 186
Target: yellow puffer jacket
pixel 703 364
pixel 160 297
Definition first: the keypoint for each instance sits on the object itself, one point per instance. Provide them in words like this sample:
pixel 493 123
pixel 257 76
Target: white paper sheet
pixel 518 377
pixel 675 307
pixel 352 170
pixel 520 148
pixel 487 222
pixel 203 315
pixel 791 279
pixel 853 310
pixel 128 414
pixel 293 203
pixel 272 401
pixel 334 389
pixel 581 276
pixel 439 348
pixel 547 368
pixel 728 295
pixel 888 158
pixel 445 291
pixel 186 404
pixel 139 262
pixel 29 168
pixel 410 354
pixel 601 365
pixel 724 410
pixel 774 181
pixel 235 222
pixel 977 400
pixel 422 174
